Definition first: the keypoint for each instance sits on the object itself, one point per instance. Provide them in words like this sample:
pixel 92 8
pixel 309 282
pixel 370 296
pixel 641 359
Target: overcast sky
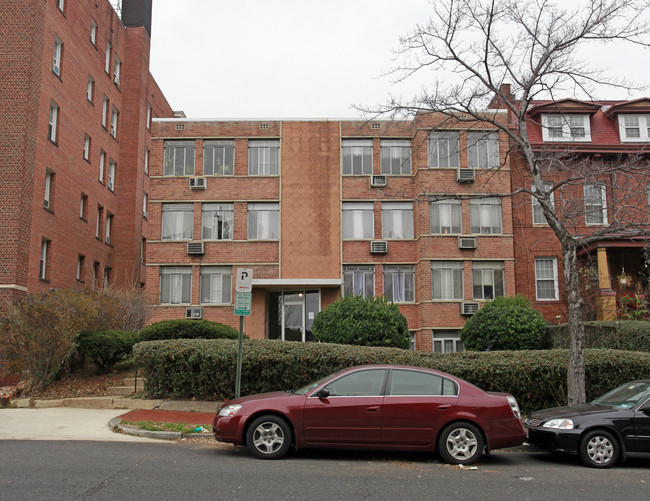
pixel 298 58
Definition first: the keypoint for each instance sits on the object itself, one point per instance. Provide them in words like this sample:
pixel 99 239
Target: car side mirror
pixel 323 393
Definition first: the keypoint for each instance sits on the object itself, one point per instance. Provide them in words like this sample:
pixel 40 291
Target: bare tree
pixel 473 48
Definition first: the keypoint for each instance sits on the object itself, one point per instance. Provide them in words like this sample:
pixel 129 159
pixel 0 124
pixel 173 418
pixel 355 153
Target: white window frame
pixel 98 225
pixel 217 221
pixel 490 273
pixel 483 150
pixel 356 157
pixel 47 196
pixel 102 164
pixel 42 271
pixel 86 150
pixel 80 267
pixel 110 181
pixel 562 128
pixel 538 213
pixel 448 277
pixel 397 220
pixel 399 280
pixel 358 220
pixel 263 157
pixel 148 117
pixel 218 157
pixel 145 204
pixel 444 149
pixel 215 285
pixel 486 216
pixel 177 221
pixel 593 209
pixel 117 69
pixel 83 206
pixel 263 221
pixel 395 156
pixel 90 89
pixel 175 285
pixel 53 121
pixel 93 32
pixel 443 215
pixel 104 111
pixel 146 161
pixel 60 4
pixel 359 280
pixel 549 274
pixel 625 124
pixel 114 116
pixel 179 152
pixel 107 232
pixel 442 339
pixel 107 62
pixel 56 57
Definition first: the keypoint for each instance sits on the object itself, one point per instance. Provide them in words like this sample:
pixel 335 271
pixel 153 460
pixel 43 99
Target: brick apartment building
pixel 76 104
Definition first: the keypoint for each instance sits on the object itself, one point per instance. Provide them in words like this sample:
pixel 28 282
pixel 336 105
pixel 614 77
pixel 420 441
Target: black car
pixel 612 427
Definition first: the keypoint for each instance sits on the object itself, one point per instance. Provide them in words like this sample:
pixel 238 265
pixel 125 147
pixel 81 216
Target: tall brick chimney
pixel 137 13
pixel 497 102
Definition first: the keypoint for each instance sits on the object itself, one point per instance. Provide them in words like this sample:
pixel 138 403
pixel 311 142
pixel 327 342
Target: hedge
pixel 205 369
pixel 615 335
pixel 187 329
pixel 106 348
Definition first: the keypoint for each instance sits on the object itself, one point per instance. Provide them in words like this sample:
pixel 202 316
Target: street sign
pixel 243 303
pixel 244 280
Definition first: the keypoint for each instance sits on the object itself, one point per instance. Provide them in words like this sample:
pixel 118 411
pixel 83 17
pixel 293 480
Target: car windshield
pixel 625 396
pixel 311 386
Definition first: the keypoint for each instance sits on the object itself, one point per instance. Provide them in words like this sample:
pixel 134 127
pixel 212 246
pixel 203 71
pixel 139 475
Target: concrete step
pixel 121 391
pixel 130 381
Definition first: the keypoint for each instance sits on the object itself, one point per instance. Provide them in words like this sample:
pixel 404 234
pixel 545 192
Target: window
pixel 483 150
pixel 109 223
pixel 42 271
pixel 143 250
pixel 263 221
pixel 93 32
pixel 175 285
pixel 104 111
pixel 80 268
pixel 595 204
pixel 399 284
pixel 217 221
pixel 397 220
pixel 444 149
pixel 51 127
pixel 90 88
pixel 86 147
pixel 179 158
pixel 56 59
pixel 110 183
pixel 216 285
pixel 557 127
pixel 446 216
pixel 485 215
pixel 546 280
pixel 102 163
pixel 145 205
pixel 487 280
pixel 177 221
pixel 98 226
pixel 359 281
pixel 114 115
pixel 357 156
pixel 146 161
pixel 446 341
pixel 95 274
pixel 107 62
pixel 363 383
pixel 263 157
pixel 406 382
pixel 83 206
pixel 60 4
pixel 107 277
pixel 49 188
pixel 358 220
pixel 538 213
pixel 218 158
pixel 395 156
pixel 149 113
pixel 634 128
pixel 117 68
pixel 447 280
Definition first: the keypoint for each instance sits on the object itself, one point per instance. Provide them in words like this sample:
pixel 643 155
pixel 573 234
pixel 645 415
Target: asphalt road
pixel 32 469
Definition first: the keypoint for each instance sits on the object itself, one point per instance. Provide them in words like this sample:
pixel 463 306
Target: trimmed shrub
pixel 187 329
pixel 106 348
pixel 616 335
pixel 205 369
pixel 362 322
pixel 505 323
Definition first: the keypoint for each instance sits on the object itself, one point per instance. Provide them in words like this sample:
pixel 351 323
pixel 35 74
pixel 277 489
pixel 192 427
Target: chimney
pixel 136 13
pixel 497 102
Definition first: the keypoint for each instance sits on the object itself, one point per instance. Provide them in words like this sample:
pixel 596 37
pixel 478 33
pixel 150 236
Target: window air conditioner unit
pixel 145 214
pixel 465 176
pixel 378 247
pixel 195 248
pixel 468 308
pixel 195 312
pixel 198 183
pixel 46 204
pixel 467 242
pixel 377 181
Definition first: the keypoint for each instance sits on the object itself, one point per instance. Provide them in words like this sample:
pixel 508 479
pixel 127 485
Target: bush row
pixel 205 369
pixel 615 335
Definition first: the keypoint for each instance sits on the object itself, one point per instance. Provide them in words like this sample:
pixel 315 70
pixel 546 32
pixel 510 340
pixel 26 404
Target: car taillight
pixel 514 406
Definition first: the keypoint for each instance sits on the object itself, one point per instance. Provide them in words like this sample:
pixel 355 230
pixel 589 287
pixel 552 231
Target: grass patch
pixel 184 428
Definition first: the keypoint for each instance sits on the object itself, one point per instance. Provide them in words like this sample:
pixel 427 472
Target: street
pixel 34 469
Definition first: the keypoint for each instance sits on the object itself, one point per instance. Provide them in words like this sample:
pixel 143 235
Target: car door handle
pixel 372 409
pixel 444 407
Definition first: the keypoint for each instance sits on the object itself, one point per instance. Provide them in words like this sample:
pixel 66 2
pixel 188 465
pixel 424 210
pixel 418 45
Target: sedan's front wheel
pixel 268 437
pixel 460 443
pixel 599 449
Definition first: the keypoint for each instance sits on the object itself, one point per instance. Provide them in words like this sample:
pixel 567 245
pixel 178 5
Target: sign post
pixel 243 299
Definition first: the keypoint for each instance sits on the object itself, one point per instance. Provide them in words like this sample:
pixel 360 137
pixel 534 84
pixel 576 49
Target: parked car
pixel 375 407
pixel 612 427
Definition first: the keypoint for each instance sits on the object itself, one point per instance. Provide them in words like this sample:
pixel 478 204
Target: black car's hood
pixel 570 411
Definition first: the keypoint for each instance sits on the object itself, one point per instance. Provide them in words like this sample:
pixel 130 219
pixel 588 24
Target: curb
pixel 164 435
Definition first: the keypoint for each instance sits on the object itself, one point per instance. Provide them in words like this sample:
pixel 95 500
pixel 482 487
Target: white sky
pixel 299 58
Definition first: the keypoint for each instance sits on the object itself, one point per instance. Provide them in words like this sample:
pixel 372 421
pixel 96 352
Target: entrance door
pixel 293 316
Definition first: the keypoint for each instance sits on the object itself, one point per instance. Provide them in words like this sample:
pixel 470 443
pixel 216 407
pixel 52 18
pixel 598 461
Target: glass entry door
pixel 294 321
pixel 291 315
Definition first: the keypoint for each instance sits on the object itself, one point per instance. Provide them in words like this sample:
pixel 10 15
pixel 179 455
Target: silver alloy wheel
pixel 461 444
pixel 600 450
pixel 268 437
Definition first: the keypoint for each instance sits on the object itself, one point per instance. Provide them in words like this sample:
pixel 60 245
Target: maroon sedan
pixel 375 407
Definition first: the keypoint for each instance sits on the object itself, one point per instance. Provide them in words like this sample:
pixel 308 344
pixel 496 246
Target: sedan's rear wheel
pixel 460 443
pixel 268 437
pixel 599 449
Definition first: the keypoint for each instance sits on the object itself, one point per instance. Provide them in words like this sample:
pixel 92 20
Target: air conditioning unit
pixel 194 312
pixel 378 247
pixel 195 248
pixel 145 214
pixel 468 308
pixel 198 183
pixel 377 181
pixel 46 204
pixel 467 242
pixel 465 176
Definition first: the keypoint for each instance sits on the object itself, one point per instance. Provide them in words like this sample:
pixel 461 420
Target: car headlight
pixel 559 424
pixel 229 410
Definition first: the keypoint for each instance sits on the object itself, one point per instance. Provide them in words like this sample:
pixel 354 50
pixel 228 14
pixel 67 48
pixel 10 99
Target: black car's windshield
pixel 311 386
pixel 625 396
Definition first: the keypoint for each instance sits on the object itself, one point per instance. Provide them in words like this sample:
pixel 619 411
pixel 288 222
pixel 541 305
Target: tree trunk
pixel 576 369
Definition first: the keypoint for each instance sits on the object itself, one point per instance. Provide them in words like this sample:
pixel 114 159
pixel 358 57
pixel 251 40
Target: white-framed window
pixel 175 284
pixel 104 111
pixel 395 156
pixel 263 221
pixel 556 127
pixel 93 32
pixel 102 163
pixel 90 89
pixel 546 279
pixel 49 185
pixel 42 270
pixel 83 206
pixel 447 341
pixel 538 213
pixel 56 59
pixel 488 279
pixel 60 4
pixel 146 161
pixel 217 221
pixel 397 220
pixel 179 158
pixel 358 220
pixel 53 121
pixel 359 281
pixel 356 156
pixel 149 117
pixel 483 150
pixel 86 151
pixel 98 225
pixel 218 157
pixel 80 268
pixel 447 280
pixel 263 157
pixel 110 182
pixel 444 149
pixel 595 204
pixel 634 128
pixel 117 70
pixel 107 277
pixel 399 283
pixel 412 340
pixel 109 224
pixel 216 285
pixel 177 221
pixel 114 115
pixel 107 61
pixel 485 215
pixel 445 216
pixel 145 204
